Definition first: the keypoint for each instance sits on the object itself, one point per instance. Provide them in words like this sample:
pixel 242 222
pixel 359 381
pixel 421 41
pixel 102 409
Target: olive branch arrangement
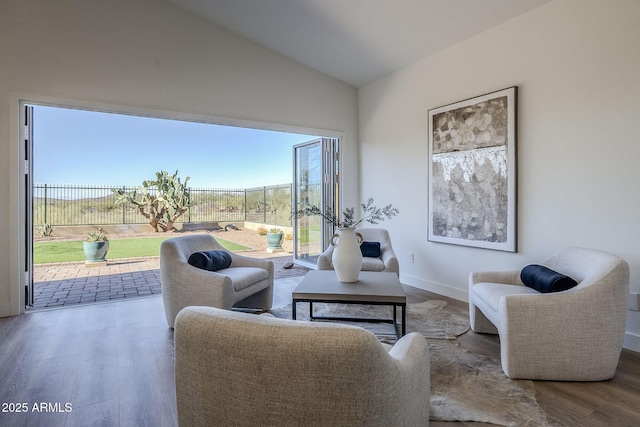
pixel 370 213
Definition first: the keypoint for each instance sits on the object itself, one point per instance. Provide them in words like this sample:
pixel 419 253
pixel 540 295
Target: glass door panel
pixel 28 189
pixel 315 178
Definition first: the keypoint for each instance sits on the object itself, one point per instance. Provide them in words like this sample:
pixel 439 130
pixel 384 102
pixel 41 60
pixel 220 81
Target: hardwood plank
pixel 103 414
pixel 142 397
pixel 96 382
pixel 165 366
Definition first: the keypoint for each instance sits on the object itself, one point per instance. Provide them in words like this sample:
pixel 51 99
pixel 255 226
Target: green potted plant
pixel 96 246
pixel 46 230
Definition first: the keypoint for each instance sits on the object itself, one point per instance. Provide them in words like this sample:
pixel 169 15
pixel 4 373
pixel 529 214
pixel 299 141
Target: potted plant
pixel 370 213
pixel 96 247
pixel 275 236
pixel 46 230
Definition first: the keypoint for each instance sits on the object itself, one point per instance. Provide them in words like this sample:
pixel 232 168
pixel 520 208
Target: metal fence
pixel 59 205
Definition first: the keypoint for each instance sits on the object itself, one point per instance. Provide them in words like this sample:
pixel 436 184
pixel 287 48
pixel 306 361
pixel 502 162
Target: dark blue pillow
pixel 545 280
pixel 210 260
pixel 370 249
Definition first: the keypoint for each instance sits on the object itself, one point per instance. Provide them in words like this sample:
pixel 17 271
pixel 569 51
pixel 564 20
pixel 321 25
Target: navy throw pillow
pixel 370 249
pixel 545 280
pixel 210 260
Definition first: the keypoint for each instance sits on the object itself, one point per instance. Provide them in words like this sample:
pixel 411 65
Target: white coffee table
pixel 373 288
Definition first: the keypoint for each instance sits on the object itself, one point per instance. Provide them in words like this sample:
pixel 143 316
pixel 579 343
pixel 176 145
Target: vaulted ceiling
pixel 357 41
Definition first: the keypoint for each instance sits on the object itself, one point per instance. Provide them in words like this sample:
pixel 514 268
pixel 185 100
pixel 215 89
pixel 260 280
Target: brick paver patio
pixel 69 283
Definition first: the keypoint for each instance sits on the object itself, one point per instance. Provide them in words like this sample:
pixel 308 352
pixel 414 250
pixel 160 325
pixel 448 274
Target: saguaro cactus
pixel 161 201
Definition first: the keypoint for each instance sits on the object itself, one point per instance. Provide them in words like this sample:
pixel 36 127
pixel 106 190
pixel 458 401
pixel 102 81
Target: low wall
pixel 77 230
pixel 257 225
pixel 133 229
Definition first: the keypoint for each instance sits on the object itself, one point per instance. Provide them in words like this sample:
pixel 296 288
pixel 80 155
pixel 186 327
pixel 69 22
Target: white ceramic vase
pixel 346 257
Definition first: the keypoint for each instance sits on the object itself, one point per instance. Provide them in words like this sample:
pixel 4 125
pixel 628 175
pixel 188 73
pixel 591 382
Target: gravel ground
pixel 252 239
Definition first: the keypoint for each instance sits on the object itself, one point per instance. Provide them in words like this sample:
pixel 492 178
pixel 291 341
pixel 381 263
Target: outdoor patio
pixel 71 283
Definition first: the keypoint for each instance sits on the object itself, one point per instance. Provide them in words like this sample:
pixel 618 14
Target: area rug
pixel 464 386
pixel 427 318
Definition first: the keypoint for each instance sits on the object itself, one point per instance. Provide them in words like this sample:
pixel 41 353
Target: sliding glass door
pixel 315 182
pixel 28 190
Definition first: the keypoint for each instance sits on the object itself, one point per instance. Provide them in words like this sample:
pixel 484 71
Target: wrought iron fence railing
pixel 60 205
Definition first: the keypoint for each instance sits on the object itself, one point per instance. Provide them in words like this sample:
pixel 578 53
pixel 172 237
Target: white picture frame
pixel 472 172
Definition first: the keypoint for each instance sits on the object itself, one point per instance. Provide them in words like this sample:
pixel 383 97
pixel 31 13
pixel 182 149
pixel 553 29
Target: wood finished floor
pixel 112 363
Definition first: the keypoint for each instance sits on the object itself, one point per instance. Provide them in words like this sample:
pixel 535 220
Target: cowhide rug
pixel 427 318
pixel 464 386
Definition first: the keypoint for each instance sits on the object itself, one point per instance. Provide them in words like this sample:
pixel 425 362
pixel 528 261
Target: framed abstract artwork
pixel 472 172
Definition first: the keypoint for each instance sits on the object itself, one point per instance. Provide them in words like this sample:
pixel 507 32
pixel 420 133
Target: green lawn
pixel 66 251
pixel 309 233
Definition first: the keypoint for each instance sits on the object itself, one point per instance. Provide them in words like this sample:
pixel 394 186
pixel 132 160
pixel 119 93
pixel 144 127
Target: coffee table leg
pixel 395 319
pixel 293 310
pixel 404 320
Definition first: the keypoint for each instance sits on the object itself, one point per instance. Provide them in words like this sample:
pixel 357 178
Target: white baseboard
pixel 631 341
pixel 437 288
pixel 5 310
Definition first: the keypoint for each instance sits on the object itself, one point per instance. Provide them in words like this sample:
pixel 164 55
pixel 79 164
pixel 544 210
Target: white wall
pixel 577 66
pixel 149 57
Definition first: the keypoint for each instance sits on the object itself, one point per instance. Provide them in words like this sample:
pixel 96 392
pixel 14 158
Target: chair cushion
pixel 488 294
pixel 370 249
pixel 545 280
pixel 372 264
pixel 243 277
pixel 210 260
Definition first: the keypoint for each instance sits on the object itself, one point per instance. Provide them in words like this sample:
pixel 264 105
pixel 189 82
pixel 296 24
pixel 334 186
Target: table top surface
pixel 323 285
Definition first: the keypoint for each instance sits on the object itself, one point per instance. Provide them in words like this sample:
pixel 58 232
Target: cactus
pixel 46 230
pixel 161 201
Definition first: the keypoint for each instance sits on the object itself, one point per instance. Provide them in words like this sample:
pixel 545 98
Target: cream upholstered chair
pixel 571 335
pixel 387 261
pixel 239 369
pixel 247 283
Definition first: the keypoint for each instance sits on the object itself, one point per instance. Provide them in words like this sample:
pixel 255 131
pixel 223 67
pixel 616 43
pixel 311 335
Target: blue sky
pixel 85 147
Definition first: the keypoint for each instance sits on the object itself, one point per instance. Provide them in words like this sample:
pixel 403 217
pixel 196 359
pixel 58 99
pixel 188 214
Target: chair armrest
pixel 411 380
pixel 411 348
pixel 324 260
pixel 575 322
pixel 388 257
pixel 503 277
pixel 557 311
pixel 243 261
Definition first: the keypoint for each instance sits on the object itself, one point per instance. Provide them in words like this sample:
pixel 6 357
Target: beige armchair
pixel 386 262
pixel 247 283
pixel 242 369
pixel 572 335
